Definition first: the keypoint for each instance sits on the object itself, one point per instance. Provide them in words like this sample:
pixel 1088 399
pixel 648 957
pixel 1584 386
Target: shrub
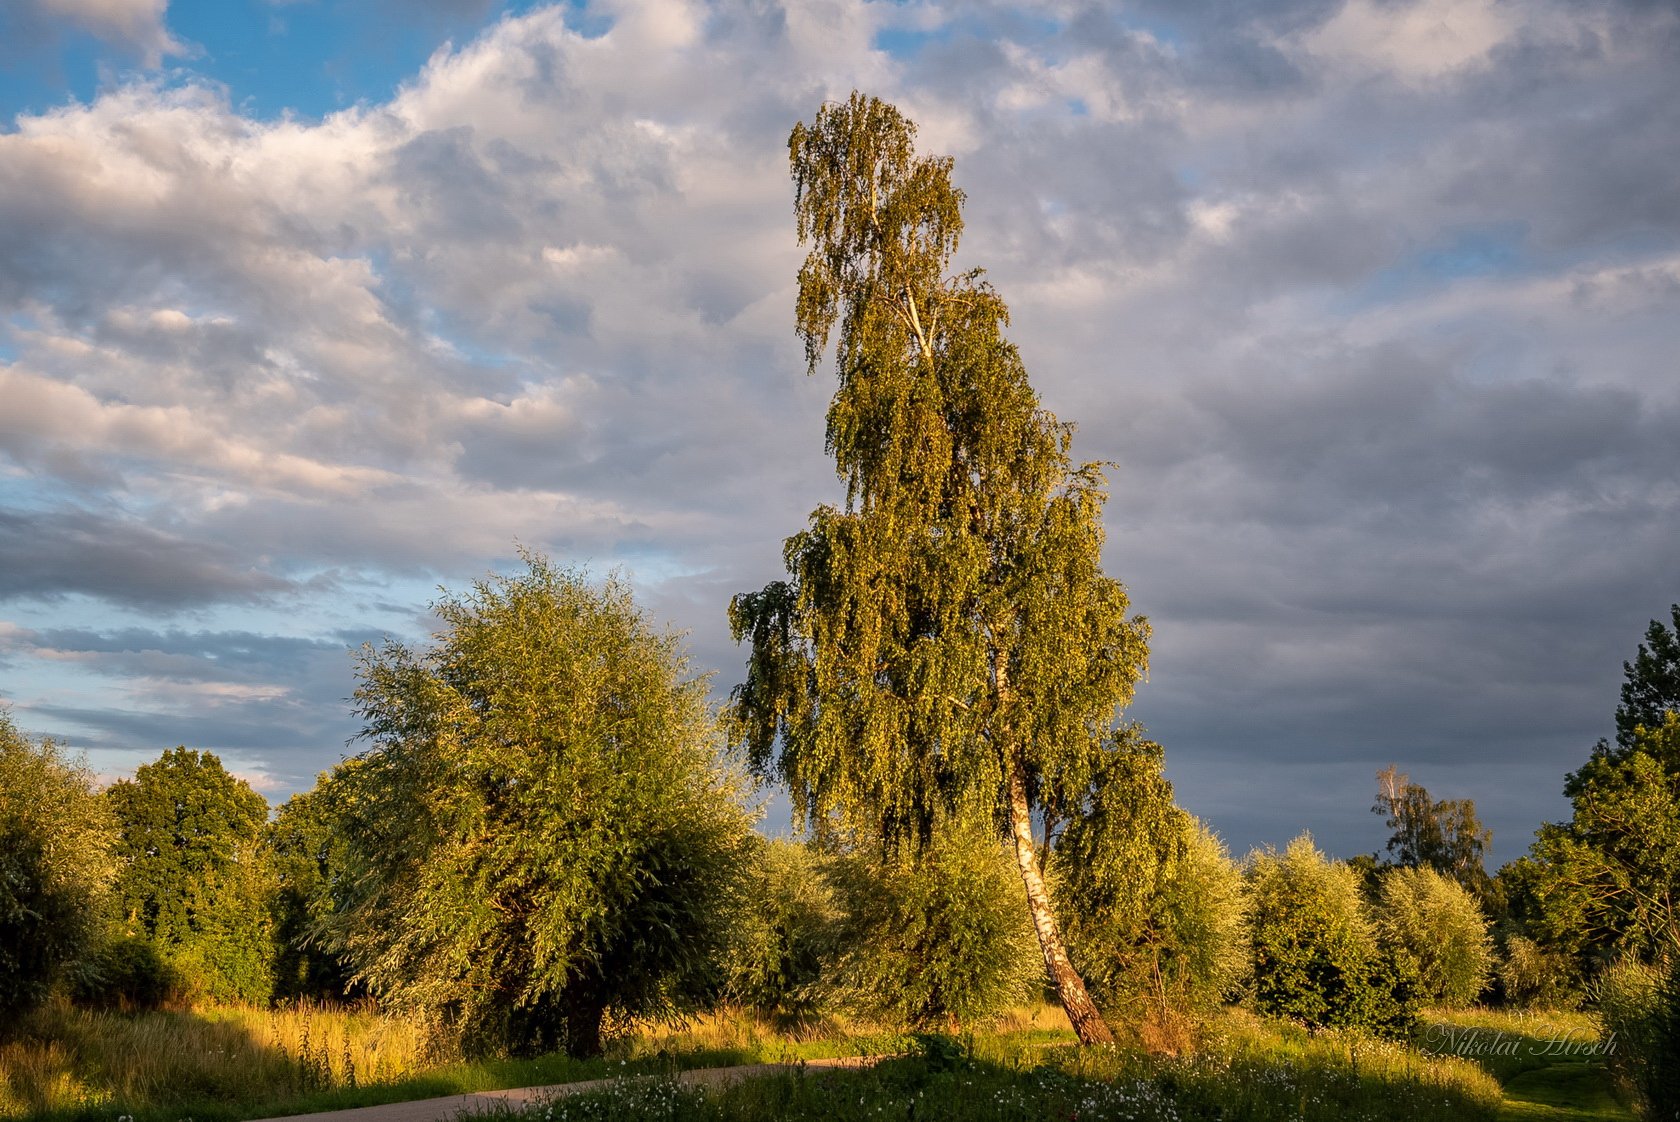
pixel 939 938
pixel 1532 977
pixel 1438 923
pixel 785 937
pixel 1152 906
pixel 55 868
pixel 1640 1008
pixel 1316 957
pixel 541 832
pixel 127 973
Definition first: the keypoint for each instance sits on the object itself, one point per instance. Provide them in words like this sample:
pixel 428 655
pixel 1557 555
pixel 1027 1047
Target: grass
pixel 1549 1063
pixel 227 1064
pixel 1246 1069
pixel 223 1065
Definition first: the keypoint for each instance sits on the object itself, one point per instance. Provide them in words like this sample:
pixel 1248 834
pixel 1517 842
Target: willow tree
pixel 947 646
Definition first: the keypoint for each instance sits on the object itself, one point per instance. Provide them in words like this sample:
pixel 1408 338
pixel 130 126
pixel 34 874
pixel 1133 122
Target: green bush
pixel 1640 1008
pixel 939 938
pixel 1316 957
pixel 1153 908
pixel 541 841
pixel 1532 977
pixel 127 973
pixel 785 938
pixel 1437 922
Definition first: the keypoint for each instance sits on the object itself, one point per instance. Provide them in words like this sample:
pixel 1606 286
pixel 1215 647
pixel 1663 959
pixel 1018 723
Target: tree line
pixel 546 834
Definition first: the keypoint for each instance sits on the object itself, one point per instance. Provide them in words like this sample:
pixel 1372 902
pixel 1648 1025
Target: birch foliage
pixel 950 622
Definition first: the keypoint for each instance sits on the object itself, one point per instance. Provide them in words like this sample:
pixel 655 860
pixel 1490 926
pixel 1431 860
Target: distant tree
pixel 1156 911
pixel 55 868
pixel 1533 977
pixel 541 832
pixel 1445 836
pixel 192 873
pixel 1316 956
pixel 935 937
pixel 1651 688
pixel 947 645
pixel 1434 920
pixel 307 856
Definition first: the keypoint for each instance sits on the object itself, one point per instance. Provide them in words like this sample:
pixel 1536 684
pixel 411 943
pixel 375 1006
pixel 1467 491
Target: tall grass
pixel 242 1063
pixel 64 1060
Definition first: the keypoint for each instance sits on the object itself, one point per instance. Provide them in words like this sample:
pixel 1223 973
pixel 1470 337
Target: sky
pixel 310 308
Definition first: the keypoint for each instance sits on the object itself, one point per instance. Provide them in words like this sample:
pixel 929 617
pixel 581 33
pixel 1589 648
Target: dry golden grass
pixel 65 1059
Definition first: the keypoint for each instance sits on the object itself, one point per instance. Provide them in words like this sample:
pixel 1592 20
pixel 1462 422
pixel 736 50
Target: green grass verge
pixel 1549 1063
pixel 1248 1072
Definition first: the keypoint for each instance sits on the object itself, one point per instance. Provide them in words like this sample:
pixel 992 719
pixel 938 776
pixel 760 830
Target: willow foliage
pixel 540 835
pixel 1157 914
pixel 55 868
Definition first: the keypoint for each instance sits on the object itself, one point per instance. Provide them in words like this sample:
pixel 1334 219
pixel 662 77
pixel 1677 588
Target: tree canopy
pixel 1603 883
pixel 1651 686
pixel 540 832
pixel 947 643
pixel 1444 835
pixel 192 873
pixel 55 867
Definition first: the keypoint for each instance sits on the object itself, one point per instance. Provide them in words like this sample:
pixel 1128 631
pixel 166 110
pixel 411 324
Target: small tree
pixel 308 859
pixel 1156 910
pixel 55 868
pixel 1437 923
pixel 936 937
pixel 1316 957
pixel 541 833
pixel 1445 836
pixel 193 877
pixel 947 646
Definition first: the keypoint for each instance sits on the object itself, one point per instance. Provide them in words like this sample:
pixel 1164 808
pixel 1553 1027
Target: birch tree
pixel 946 644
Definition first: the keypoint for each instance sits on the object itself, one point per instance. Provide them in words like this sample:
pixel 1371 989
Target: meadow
pixel 225 1064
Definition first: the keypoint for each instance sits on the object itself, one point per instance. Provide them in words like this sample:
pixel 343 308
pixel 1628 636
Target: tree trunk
pixel 585 1008
pixel 1081 1011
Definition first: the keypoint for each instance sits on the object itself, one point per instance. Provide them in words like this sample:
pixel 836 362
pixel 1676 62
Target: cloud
pixel 133 26
pixel 49 554
pixel 1368 304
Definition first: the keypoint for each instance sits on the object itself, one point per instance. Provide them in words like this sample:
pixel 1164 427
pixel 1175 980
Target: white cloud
pixel 134 25
pixel 1414 39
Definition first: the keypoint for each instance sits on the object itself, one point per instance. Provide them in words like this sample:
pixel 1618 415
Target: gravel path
pixel 450 1107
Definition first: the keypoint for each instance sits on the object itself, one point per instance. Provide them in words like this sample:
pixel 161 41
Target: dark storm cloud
pixel 276 703
pixel 57 553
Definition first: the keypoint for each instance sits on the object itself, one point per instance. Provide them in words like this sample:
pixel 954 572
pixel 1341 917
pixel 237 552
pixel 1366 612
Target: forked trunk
pixel 1081 1011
